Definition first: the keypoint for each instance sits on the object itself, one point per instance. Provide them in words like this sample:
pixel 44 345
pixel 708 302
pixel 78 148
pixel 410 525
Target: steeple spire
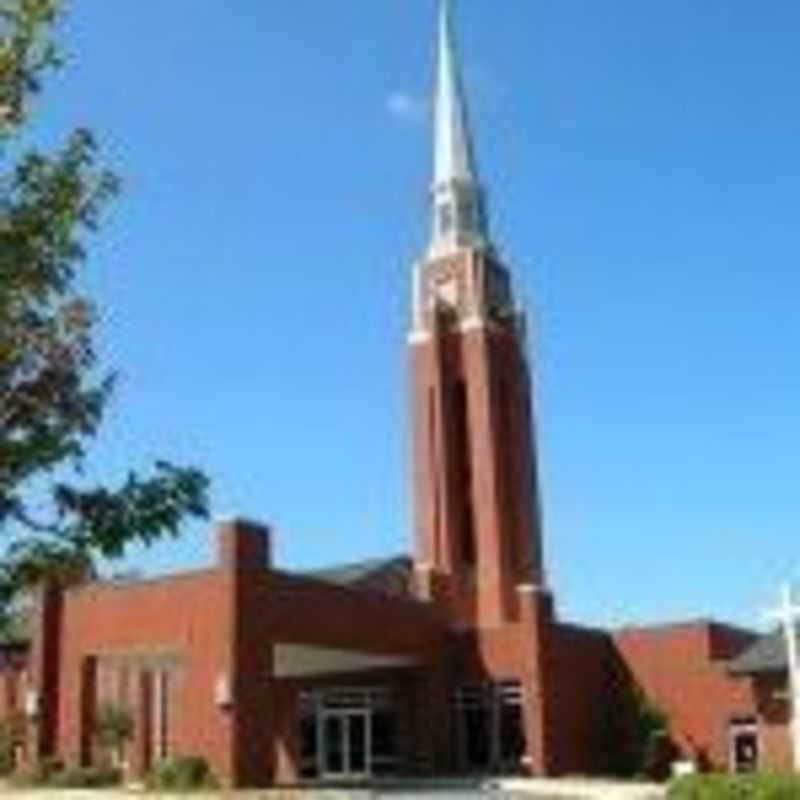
pixel 453 158
pixel 459 218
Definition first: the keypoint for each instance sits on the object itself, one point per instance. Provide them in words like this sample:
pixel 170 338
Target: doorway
pixel 346 745
pixel 744 745
pixel 349 734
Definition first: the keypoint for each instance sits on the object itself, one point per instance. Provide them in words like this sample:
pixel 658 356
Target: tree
pixel 52 393
pixel 113 729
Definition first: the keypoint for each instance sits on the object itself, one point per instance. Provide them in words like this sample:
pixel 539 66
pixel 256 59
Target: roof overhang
pixel 308 661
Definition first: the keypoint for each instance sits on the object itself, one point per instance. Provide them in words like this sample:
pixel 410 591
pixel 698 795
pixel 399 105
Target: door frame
pixel 739 728
pixel 345 716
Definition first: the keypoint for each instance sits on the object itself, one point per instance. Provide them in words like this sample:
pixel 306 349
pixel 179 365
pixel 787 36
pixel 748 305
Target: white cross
pixel 788 614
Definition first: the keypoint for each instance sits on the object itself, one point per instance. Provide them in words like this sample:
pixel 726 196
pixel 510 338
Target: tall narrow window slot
pixel 507 440
pixel 463 470
pixel 433 457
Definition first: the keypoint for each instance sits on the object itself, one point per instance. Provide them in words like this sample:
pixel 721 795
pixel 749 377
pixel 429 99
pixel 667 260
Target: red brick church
pixel 451 661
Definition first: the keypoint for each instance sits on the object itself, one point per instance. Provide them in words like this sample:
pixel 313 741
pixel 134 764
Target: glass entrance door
pixel 333 745
pixel 345 745
pixel 357 745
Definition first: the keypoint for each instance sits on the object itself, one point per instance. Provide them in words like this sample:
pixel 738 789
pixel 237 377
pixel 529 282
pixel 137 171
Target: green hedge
pixel 760 786
pixel 85 778
pixel 182 774
pixel 53 774
pixel 36 774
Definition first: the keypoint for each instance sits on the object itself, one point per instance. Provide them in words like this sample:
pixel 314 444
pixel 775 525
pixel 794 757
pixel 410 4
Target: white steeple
pixel 459 218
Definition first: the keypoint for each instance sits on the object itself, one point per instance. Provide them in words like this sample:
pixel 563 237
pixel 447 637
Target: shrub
pixel 52 773
pixel 113 727
pixel 181 773
pixel 12 733
pixel 85 778
pixel 38 774
pixel 758 786
pixel 640 732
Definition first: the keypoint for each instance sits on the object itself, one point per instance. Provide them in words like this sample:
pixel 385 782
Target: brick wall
pixel 584 732
pixel 217 627
pixel 682 669
pixel 772 697
pixel 188 617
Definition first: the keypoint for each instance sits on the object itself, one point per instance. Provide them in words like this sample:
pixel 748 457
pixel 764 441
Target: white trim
pixel 473 323
pixel 419 337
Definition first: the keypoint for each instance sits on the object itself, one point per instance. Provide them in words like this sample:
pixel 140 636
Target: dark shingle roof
pixel 389 575
pixel 766 654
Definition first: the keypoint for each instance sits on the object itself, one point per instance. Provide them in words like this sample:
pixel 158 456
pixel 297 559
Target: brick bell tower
pixel 477 519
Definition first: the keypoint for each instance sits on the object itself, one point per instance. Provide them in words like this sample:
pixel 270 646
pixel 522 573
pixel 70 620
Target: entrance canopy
pixel 306 661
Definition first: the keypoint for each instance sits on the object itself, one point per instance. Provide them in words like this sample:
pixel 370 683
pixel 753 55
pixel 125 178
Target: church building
pixel 450 661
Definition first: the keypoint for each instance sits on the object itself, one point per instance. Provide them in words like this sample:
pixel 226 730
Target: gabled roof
pixel 766 654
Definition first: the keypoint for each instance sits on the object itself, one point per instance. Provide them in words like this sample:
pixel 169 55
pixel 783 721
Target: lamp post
pixel 788 615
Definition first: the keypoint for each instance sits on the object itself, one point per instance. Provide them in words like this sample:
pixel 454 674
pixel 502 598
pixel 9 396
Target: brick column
pixel 88 710
pixel 43 685
pixel 244 558
pixel 285 729
pixel 536 621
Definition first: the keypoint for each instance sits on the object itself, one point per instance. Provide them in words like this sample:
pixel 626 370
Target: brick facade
pixel 453 661
pixel 211 635
pixel 684 670
pixel 213 632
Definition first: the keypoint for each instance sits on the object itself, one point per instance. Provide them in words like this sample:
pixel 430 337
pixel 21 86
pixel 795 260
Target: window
pixel 509 445
pixel 433 422
pixel 475 728
pixel 161 714
pixel 142 691
pixel 490 727
pixel 466 214
pixel 385 742
pixel 309 738
pixel 463 470
pixel 511 726
pixel 744 744
pixel 446 220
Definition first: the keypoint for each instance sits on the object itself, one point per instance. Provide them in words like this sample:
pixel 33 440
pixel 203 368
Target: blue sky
pixel 642 160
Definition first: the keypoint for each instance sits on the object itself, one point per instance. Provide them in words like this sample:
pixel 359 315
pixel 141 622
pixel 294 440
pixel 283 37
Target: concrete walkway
pixel 513 789
pixel 583 789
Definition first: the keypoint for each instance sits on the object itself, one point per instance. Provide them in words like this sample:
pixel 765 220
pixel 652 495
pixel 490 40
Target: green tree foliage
pixel 113 728
pixel 52 393
pixel 181 774
pixel 636 734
